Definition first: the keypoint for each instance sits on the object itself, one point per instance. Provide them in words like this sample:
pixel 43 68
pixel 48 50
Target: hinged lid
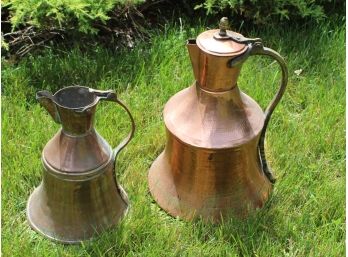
pixel 222 42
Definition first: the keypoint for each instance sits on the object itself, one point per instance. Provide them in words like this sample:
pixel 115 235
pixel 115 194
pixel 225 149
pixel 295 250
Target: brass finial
pixel 223 26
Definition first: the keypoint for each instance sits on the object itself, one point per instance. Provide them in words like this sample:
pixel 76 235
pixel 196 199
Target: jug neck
pixel 212 73
pixel 73 107
pixel 76 123
pixel 233 95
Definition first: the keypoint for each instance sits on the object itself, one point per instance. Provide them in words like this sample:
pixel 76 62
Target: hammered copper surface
pixel 70 211
pixel 210 166
pixel 214 120
pixel 190 182
pixel 76 154
pixel 79 196
pixel 213 165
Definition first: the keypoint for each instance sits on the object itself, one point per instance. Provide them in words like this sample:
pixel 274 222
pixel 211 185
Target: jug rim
pixel 89 102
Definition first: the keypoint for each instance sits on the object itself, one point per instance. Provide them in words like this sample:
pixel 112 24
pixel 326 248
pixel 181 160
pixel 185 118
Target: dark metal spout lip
pixel 53 98
pixel 44 94
pixel 191 41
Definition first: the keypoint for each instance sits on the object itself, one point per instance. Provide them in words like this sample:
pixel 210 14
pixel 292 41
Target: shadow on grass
pixel 244 235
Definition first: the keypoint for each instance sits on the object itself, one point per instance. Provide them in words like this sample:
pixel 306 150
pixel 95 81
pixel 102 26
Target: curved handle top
pixel 256 48
pixel 110 95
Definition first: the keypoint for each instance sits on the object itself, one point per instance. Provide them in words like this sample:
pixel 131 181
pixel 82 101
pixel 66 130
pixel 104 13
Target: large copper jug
pixel 79 195
pixel 213 165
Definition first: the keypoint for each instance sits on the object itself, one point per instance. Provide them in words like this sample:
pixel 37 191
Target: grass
pixel 305 145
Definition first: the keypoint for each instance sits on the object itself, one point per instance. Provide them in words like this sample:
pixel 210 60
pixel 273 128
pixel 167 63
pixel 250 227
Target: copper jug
pixel 79 195
pixel 213 165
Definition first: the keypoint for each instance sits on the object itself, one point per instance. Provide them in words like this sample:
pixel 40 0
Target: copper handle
pixel 272 105
pixel 110 95
pixel 127 139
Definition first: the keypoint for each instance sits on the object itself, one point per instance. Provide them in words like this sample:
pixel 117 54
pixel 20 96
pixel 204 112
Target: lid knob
pixel 223 26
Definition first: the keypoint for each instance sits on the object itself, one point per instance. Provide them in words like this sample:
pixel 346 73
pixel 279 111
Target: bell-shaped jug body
pixel 79 195
pixel 210 167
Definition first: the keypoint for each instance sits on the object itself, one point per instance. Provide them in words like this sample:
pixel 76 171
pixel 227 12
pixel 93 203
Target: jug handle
pixel 271 106
pixel 110 95
pixel 256 48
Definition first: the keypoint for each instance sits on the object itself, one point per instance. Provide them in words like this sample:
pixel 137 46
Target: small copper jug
pixel 213 165
pixel 79 195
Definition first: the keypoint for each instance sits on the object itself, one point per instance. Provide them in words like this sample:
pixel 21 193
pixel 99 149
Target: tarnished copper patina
pixel 79 195
pixel 213 165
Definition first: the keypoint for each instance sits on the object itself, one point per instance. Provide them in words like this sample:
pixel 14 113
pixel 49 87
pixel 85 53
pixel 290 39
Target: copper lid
pixel 216 42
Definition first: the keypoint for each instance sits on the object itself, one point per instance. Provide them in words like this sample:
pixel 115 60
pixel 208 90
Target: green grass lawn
pixel 305 215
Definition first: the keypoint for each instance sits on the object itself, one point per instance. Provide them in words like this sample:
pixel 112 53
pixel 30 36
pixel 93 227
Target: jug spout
pixel 194 53
pixel 46 99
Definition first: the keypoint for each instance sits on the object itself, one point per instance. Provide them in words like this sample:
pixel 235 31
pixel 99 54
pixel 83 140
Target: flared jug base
pixel 164 190
pixel 45 224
